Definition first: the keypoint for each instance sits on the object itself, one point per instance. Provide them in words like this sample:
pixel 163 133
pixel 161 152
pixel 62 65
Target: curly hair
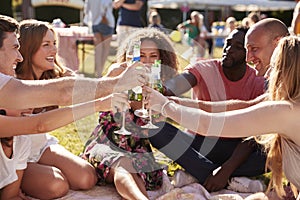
pixel 166 51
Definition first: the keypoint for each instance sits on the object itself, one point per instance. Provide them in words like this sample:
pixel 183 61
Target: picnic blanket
pixel 191 190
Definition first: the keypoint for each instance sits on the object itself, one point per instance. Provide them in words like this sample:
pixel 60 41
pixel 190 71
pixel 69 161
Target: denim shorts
pixel 104 29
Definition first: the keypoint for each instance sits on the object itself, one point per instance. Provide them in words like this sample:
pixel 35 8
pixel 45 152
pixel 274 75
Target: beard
pixel 228 62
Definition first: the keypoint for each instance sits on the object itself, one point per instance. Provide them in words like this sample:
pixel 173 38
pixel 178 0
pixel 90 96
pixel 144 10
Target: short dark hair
pixel 7 24
pixel 242 29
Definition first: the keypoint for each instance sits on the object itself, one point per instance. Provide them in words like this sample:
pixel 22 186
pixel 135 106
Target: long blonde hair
pixel 284 85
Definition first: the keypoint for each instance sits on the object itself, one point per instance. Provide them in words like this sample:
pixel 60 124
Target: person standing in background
pixel 99 16
pixel 296 19
pixel 230 25
pixel 195 33
pixel 254 18
pixel 129 17
pixel 155 21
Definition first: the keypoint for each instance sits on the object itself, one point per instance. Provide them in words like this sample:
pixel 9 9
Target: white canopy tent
pixel 264 5
pixel 238 5
pixel 78 4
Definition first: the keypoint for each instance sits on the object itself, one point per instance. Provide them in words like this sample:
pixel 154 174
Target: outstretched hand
pixel 154 99
pixel 216 182
pixel 134 75
pixel 114 102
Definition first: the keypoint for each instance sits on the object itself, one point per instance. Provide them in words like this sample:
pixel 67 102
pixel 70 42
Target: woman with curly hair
pixel 128 161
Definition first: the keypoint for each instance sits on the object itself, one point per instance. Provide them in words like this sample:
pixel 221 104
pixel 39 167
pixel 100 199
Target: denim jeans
pixel 200 155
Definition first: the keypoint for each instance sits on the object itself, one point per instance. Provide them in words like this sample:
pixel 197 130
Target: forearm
pixel 221 106
pixel 63 91
pixel 51 120
pixel 135 7
pixel 239 156
pixel 179 84
pixel 67 115
pixel 117 4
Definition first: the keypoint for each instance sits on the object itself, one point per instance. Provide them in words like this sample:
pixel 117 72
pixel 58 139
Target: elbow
pixel 39 127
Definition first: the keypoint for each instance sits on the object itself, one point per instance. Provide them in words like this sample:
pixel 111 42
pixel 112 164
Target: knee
pixel 58 188
pixel 88 179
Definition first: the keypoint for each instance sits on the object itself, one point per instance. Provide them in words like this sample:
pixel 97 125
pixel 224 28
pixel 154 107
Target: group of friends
pixel 231 102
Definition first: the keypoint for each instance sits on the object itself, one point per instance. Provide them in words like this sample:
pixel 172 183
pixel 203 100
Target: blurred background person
pixel 129 17
pixel 246 22
pixel 155 21
pixel 254 18
pixel 195 33
pixel 230 25
pixel 99 15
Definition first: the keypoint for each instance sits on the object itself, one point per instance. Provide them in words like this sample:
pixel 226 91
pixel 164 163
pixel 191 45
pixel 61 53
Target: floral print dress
pixel 104 148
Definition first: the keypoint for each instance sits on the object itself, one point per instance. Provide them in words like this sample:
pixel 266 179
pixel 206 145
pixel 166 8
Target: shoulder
pixel 4 79
pixel 205 68
pixel 68 72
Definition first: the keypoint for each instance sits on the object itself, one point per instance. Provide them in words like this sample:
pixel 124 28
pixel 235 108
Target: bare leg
pixel 102 47
pixel 56 172
pixel 128 184
pixel 44 182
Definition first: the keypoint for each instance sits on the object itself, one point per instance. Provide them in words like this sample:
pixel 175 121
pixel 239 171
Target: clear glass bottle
pixel 155 81
pixel 135 94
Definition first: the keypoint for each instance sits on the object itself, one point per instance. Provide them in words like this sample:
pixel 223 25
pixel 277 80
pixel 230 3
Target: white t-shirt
pixel 9 166
pixel 4 79
pixel 39 143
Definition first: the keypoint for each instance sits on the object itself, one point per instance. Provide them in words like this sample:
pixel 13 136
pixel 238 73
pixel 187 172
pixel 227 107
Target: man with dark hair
pixel 213 160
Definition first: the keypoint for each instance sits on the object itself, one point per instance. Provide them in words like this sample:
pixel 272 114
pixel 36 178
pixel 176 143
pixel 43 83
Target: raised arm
pixel 218 106
pixel 263 118
pixel 135 6
pixel 48 121
pixel 67 90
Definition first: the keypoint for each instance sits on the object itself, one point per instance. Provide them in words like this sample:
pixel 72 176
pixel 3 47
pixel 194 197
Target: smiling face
pixel 9 54
pixel 234 53
pixel 149 52
pixel 44 58
pixel 259 47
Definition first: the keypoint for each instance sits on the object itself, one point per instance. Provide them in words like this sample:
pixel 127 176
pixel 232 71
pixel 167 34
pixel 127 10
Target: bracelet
pixel 162 111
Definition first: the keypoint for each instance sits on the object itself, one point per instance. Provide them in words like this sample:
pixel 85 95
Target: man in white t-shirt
pixel 14 152
pixel 65 91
